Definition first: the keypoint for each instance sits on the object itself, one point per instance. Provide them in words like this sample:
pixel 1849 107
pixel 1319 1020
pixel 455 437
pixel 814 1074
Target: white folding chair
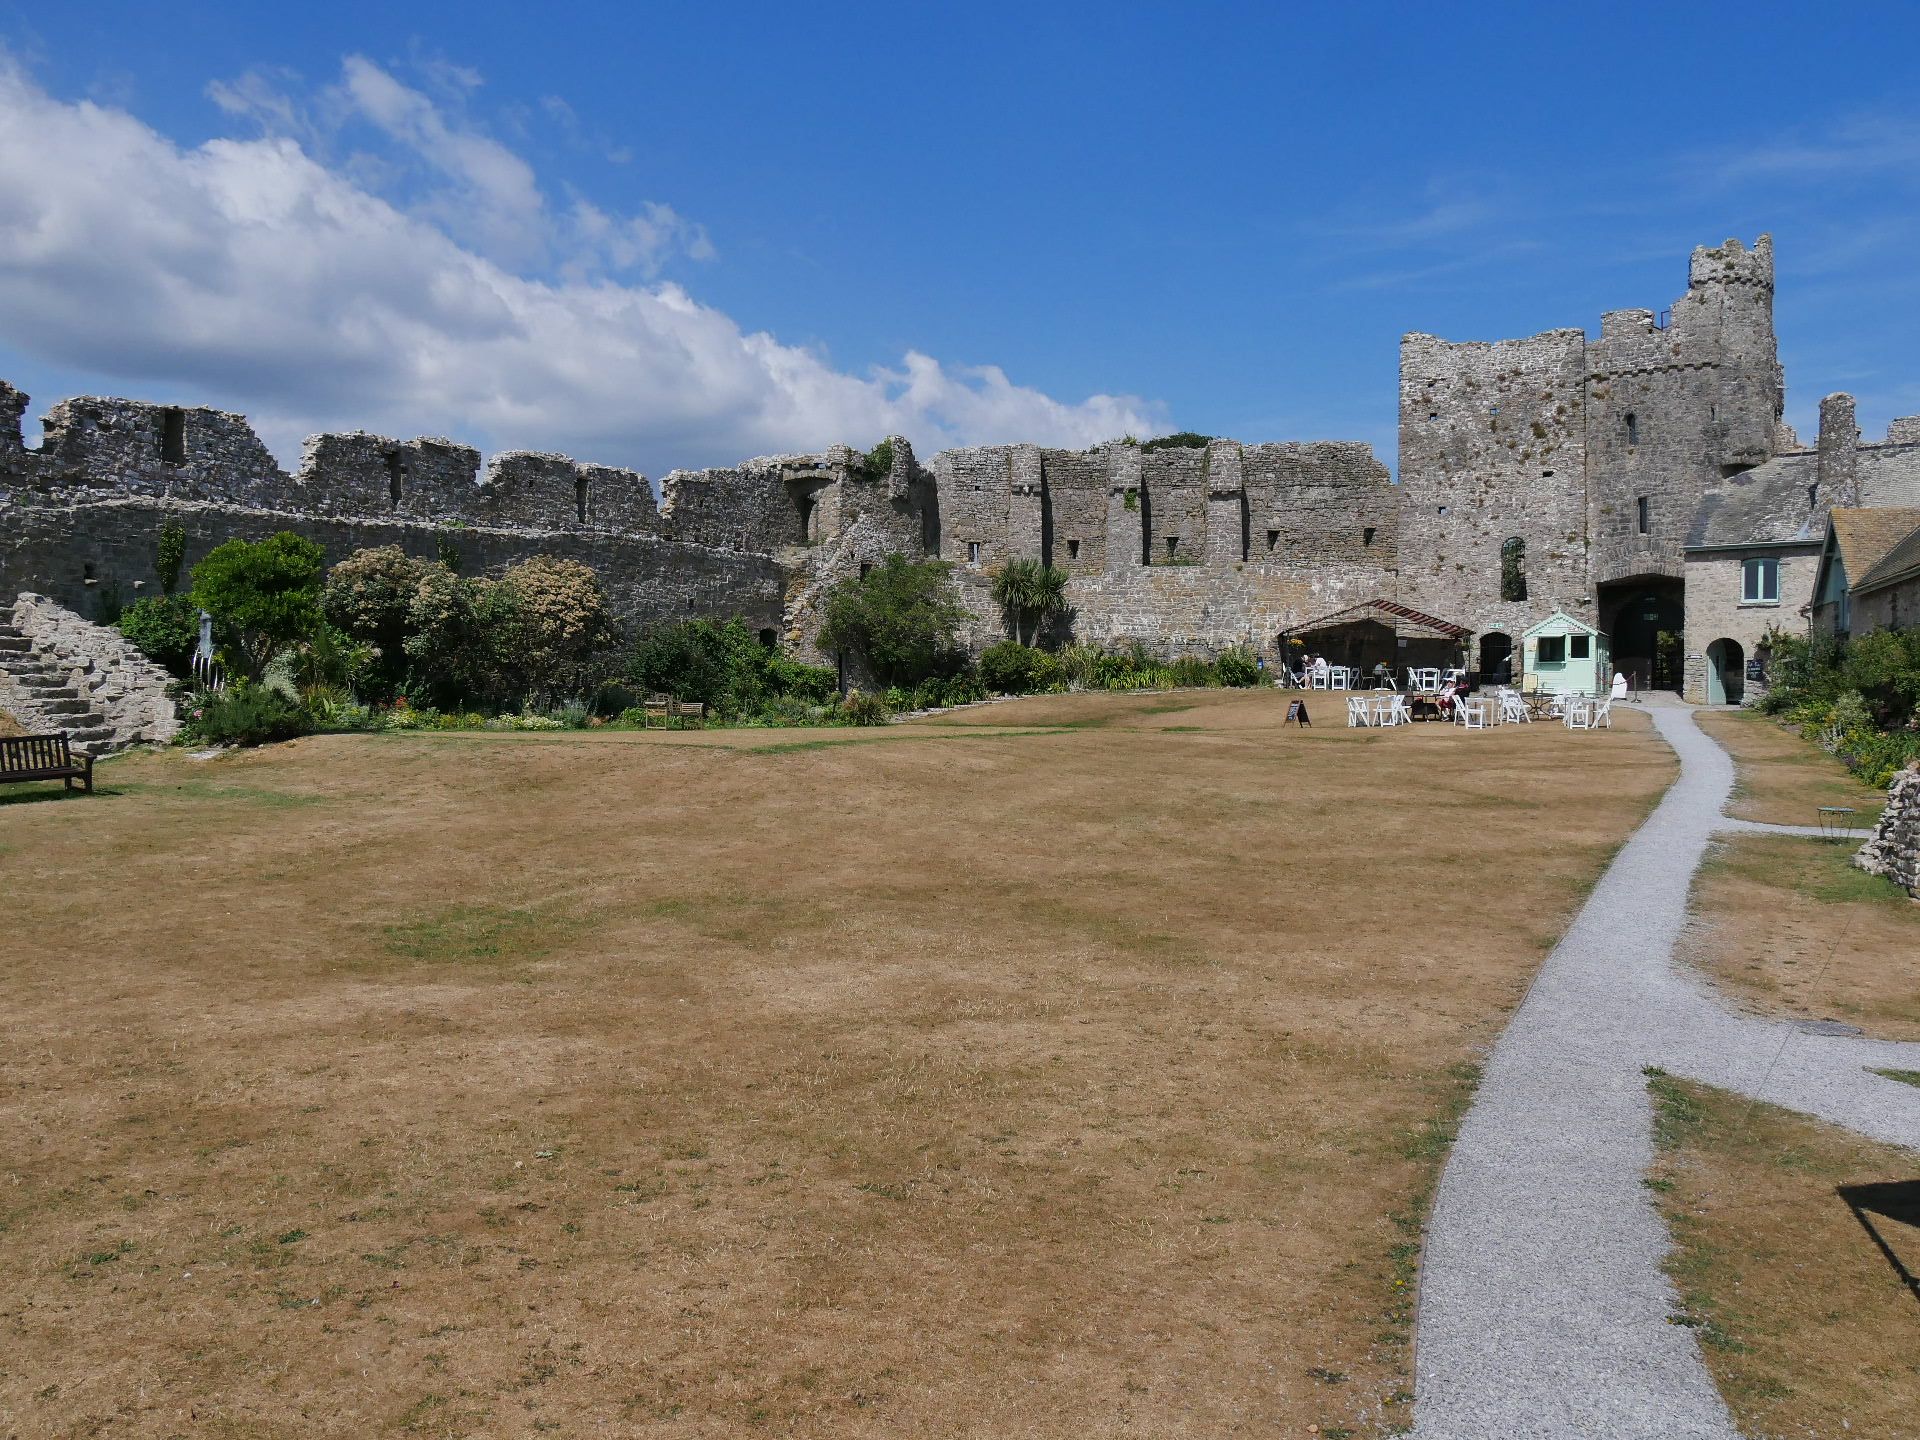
pixel 1513 710
pixel 1357 711
pixel 1602 715
pixel 1579 715
pixel 1470 714
pixel 1385 709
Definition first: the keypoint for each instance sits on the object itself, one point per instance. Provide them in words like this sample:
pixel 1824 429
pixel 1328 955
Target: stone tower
pixel 1562 472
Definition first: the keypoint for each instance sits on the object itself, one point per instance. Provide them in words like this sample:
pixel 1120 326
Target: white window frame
pixel 1759 575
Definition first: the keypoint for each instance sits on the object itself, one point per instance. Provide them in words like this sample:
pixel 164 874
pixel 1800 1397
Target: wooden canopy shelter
pixel 1378 632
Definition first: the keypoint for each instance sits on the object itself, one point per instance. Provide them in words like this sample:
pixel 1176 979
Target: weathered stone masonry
pixel 1571 468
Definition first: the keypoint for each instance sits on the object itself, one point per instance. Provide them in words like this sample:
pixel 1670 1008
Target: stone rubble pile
pixel 1894 850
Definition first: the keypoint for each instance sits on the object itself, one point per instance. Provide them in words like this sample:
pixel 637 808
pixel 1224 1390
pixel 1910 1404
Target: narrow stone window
pixel 973 552
pixel 1513 568
pixel 173 435
pixel 1366 535
pixel 1633 428
pixel 1173 544
pixel 1813 496
pixel 766 639
pixel 580 499
pixel 396 477
pixel 1073 549
pixel 1443 509
pixel 805 504
pixel 866 566
pixel 1643 514
pixel 1273 539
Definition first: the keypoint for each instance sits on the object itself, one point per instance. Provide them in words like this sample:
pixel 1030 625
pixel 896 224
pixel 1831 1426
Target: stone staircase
pixel 47 699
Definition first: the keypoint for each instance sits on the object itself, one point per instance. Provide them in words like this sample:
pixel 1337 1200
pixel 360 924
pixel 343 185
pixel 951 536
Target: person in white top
pixel 1619 686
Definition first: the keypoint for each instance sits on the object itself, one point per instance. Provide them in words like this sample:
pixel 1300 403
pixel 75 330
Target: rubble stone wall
pixel 1894 850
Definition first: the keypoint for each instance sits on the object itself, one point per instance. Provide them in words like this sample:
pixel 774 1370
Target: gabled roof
pixel 1561 617
pixel 1864 537
pixel 1902 560
pixel 1398 618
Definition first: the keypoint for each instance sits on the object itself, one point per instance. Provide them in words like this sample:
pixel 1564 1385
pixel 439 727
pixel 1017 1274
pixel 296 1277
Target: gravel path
pixel 1543 1311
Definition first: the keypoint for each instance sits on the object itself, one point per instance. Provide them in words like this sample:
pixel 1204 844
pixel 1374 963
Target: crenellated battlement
pixel 1731 263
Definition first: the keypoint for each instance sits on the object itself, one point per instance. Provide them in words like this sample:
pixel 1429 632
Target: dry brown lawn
pixel 1785 924
pixel 1782 779
pixel 1075 1067
pixel 1778 1223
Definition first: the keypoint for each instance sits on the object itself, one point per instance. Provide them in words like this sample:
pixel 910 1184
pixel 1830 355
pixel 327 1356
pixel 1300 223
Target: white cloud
pixel 270 280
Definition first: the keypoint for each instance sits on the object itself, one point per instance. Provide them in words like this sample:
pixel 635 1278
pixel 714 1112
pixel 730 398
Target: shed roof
pixel 1562 618
pixel 1399 618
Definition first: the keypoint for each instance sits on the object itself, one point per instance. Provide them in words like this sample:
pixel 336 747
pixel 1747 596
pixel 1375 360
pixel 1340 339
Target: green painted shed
pixel 1567 655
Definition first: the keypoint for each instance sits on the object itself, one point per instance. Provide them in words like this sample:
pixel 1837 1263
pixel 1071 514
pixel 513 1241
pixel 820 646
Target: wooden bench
pixel 43 757
pixel 669 709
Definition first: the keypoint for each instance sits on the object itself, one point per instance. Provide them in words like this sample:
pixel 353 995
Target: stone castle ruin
pixel 1556 472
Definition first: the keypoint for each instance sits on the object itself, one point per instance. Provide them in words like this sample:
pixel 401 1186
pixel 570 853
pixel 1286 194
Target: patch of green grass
pixel 1810 867
pixel 1905 1077
pixel 210 790
pixel 478 934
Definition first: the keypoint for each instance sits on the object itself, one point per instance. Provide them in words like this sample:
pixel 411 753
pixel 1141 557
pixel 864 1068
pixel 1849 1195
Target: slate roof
pixel 1897 559
pixel 1768 503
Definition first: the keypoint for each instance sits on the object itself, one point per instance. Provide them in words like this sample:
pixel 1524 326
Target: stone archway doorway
pixel 1726 672
pixel 1645 620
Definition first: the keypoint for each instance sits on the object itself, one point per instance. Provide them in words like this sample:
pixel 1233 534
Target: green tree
pixel 461 634
pixel 169 553
pixel 165 628
pixel 368 596
pixel 1029 594
pixel 563 627
pixel 901 619
pixel 263 595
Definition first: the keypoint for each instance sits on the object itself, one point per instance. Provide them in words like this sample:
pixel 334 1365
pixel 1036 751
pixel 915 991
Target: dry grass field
pixel 1805 1322
pixel 1782 779
pixel 1068 1067
pixel 1787 925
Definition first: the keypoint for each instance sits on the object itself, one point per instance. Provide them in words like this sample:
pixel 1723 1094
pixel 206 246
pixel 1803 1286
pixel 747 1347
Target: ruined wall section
pixel 1492 448
pixel 1321 502
pixel 866 516
pixel 975 485
pixel 1173 505
pixel 158 450
pixel 78 553
pixel 80 515
pixel 1077 489
pixel 1672 409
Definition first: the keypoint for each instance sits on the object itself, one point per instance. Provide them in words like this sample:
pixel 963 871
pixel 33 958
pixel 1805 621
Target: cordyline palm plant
pixel 1029 594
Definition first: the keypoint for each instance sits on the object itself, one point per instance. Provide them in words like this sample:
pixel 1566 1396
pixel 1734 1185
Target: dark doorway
pixel 1496 658
pixel 1726 672
pixel 1646 619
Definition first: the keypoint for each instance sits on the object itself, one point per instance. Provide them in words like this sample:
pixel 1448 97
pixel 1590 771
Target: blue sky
pixel 656 235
